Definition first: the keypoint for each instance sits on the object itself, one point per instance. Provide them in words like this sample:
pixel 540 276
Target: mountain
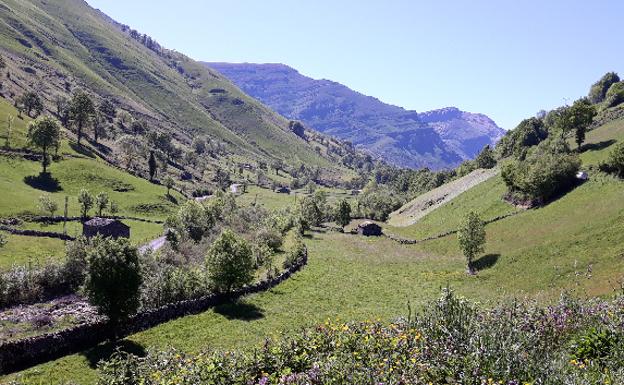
pixel 435 139
pixel 57 47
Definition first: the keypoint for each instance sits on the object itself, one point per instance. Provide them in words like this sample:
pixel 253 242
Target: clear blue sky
pixel 505 58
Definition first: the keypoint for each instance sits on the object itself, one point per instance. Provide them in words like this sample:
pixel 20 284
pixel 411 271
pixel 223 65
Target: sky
pixel 507 59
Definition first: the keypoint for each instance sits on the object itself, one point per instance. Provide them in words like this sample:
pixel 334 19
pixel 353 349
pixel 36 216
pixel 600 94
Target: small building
pixel 282 190
pixel 369 228
pixel 236 188
pixel 582 175
pixel 105 227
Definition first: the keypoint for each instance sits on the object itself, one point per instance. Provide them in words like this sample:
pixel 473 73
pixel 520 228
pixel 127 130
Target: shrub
pixel 615 163
pixel 452 341
pixel 229 262
pixel 598 90
pixel 593 344
pixel 615 95
pixel 295 249
pixel 113 278
pixel 485 159
pixel 545 173
pixel 47 205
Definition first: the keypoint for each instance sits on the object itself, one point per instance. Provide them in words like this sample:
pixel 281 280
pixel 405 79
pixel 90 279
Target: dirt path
pixel 153 245
pixel 422 205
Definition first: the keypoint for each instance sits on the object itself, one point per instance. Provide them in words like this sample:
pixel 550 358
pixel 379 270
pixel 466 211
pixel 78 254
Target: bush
pixel 229 262
pixel 615 163
pixel 113 278
pixel 593 344
pixel 485 159
pixel 598 90
pixel 295 249
pixel 615 95
pixel 543 174
pixel 452 341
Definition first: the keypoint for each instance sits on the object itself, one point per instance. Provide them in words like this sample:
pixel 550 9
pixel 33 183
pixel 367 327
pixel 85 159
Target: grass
pixel 21 250
pixel 600 141
pixel 485 199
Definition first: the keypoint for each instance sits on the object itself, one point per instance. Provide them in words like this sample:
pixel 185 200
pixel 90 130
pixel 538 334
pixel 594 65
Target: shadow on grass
pixel 485 262
pixel 82 150
pixel 597 146
pixel 105 351
pixel 43 182
pixel 240 311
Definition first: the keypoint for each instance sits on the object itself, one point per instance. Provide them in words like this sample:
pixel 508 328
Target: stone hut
pixel 368 229
pixel 105 227
pixel 282 190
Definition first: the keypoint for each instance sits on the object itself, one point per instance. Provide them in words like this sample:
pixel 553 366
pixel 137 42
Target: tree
pixel 223 179
pixel 485 159
pixel 85 199
pixel 101 202
pixel 114 208
pixel 46 204
pixel 31 101
pixel 98 123
pixel 193 220
pixel 230 262
pixel 107 110
pixel 277 165
pixel 113 279
pixel 10 120
pixel 598 90
pixel 152 165
pixel 199 146
pixel 343 213
pixel 577 118
pixel 311 212
pixel 130 147
pixel 81 111
pixel 169 183
pixel 44 133
pixel 471 236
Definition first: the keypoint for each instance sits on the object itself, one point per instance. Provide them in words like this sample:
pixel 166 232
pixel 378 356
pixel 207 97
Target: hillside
pixel 57 48
pixel 435 139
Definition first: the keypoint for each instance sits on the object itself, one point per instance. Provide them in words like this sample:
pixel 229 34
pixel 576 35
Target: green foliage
pixel 229 262
pixel 546 172
pixel 101 202
pixel 377 203
pixel 193 220
pixel 86 201
pixel 615 163
pixel 113 278
pixel 598 90
pixel 31 102
pixel 471 237
pixel 577 118
pixel 294 247
pixel 595 344
pixel 152 165
pixel 343 213
pixel 485 159
pixel 47 204
pixel 451 341
pixel 45 134
pixel 615 95
pixel 169 183
pixel 81 110
pixel 311 210
pixel 530 132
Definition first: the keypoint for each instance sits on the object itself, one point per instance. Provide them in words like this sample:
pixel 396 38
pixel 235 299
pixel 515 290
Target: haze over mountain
pixel 436 139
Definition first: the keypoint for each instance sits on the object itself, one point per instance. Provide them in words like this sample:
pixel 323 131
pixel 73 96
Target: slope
pixel 436 139
pixel 58 47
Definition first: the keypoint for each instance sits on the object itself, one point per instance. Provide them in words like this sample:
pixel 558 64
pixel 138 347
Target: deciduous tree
pixel 45 134
pixel 229 262
pixel 81 111
pixel 471 238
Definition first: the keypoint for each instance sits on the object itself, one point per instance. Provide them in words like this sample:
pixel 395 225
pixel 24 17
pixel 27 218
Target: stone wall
pixel 27 352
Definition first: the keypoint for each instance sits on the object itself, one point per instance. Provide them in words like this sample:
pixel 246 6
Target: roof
pixel 368 223
pixel 102 222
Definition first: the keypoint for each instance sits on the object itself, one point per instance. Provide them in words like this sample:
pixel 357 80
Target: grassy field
pixel 573 244
pixel 21 250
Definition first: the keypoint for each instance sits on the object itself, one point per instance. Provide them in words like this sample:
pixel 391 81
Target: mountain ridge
pixel 335 109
